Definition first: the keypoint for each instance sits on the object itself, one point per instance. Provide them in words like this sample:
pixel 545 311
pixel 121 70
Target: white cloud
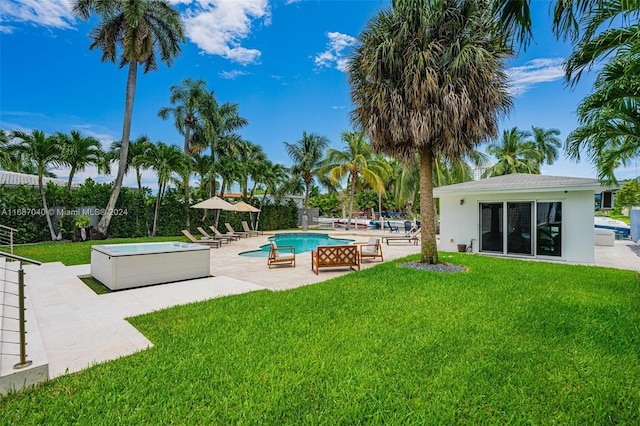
pixel 218 26
pixel 334 56
pixel 105 139
pixel 338 107
pixel 232 75
pixel 49 13
pixel 541 70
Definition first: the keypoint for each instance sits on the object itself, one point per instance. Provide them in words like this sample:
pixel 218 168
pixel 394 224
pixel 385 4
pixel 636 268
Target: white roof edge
pixel 595 188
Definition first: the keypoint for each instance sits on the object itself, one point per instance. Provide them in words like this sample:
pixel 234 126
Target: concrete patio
pixel 71 328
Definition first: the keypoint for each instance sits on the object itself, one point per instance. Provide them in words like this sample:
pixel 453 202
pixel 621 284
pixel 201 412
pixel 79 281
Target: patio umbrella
pixel 241 206
pixel 216 204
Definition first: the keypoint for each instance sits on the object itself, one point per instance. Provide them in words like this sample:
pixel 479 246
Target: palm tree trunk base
pixel 95 234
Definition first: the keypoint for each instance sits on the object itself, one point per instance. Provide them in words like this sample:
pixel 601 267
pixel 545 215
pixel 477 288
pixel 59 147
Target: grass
pixel 74 253
pixel 625 219
pixel 507 342
pixel 95 285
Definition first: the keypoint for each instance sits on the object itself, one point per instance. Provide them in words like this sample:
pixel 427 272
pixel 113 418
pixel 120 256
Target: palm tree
pixel 5 146
pixel 230 170
pixel 515 16
pixel 307 155
pixel 609 131
pixel 201 166
pixel 78 152
pixel 188 99
pixel 252 156
pixel 135 156
pixel 143 29
pixel 514 154
pixel 273 177
pixel 218 131
pixel 356 162
pixel 547 143
pixel 165 160
pixel 620 22
pixel 428 77
pixel 43 152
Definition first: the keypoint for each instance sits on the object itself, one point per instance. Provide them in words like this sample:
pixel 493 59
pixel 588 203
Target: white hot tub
pixel 122 266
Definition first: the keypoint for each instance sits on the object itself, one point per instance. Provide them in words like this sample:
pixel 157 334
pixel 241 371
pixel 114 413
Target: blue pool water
pixel 301 242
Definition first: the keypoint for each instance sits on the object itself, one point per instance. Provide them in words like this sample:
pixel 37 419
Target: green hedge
pixel 21 208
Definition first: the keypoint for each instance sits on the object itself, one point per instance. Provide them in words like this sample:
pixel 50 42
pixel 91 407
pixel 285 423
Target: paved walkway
pixel 78 328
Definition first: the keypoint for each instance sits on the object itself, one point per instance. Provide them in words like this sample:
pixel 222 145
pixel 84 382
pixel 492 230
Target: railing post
pixel 11 241
pixel 23 343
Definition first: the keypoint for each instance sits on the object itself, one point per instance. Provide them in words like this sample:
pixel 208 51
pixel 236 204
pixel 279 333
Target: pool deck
pixel 71 328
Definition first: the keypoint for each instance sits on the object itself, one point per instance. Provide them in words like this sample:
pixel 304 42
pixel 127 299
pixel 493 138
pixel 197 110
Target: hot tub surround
pixel 122 266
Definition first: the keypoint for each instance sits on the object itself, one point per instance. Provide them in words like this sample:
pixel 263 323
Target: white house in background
pixel 521 215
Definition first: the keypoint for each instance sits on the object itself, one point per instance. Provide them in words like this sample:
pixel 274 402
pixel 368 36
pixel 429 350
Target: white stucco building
pixel 521 215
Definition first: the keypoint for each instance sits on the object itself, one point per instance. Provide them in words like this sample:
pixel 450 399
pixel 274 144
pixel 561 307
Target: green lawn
pixel 508 342
pixel 78 253
pixel 625 219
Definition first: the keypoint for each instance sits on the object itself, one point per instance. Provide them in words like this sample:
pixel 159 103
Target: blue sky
pixel 282 61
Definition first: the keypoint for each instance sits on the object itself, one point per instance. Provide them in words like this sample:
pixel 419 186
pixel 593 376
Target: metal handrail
pixel 20 258
pixel 20 306
pixel 10 233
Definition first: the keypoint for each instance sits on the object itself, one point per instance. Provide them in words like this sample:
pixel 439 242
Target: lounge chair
pixel 236 233
pixel 411 237
pixel 245 228
pixel 283 254
pixel 391 227
pixel 218 234
pixel 193 240
pixel 206 236
pixel 371 249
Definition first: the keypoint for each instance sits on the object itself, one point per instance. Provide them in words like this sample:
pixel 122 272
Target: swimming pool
pixel 303 242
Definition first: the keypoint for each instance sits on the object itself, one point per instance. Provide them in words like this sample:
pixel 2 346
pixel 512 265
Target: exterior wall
pixel 459 223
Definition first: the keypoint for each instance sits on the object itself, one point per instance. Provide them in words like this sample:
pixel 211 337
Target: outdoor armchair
pixel 372 249
pixel 283 254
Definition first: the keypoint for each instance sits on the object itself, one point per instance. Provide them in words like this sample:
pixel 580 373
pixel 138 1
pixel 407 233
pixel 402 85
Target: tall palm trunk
pixel 352 193
pixel 71 174
pixel 157 210
pixel 139 180
pixel 187 195
pixel 429 248
pixel 46 208
pixel 100 231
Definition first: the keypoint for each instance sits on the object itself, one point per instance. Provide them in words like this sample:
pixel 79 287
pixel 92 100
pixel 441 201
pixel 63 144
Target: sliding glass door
pixel 549 229
pixel 509 228
pixel 520 228
pixel 491 220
